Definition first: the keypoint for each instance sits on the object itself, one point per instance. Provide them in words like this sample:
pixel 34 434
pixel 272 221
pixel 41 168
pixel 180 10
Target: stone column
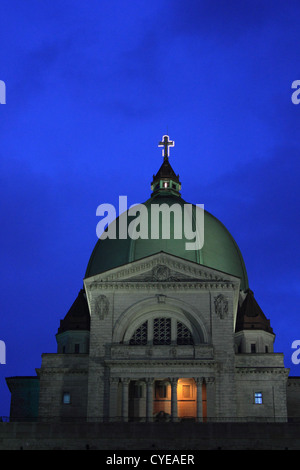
pixel 199 382
pixel 210 398
pixel 174 408
pixel 125 396
pixel 149 399
pixel 113 398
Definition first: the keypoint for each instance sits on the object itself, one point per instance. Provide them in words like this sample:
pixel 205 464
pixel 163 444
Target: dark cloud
pixel 260 202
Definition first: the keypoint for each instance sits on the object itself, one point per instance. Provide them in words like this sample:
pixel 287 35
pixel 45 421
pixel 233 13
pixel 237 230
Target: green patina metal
pixel 219 250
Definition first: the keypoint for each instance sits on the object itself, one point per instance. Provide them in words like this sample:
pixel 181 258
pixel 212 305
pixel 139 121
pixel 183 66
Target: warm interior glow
pixel 187 398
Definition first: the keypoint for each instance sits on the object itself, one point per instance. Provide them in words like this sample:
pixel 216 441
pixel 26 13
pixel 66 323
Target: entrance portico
pixel 161 399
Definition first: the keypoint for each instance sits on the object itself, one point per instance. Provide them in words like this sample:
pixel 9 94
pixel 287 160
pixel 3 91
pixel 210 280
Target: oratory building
pixel 162 332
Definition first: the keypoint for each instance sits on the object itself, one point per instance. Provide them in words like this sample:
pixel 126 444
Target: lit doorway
pixel 187 399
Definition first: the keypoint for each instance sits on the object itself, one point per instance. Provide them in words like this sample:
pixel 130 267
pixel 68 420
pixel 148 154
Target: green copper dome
pixel 219 250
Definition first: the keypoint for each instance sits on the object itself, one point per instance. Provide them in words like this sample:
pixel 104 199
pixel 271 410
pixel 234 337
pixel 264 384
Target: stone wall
pixel 152 437
pixel 293 397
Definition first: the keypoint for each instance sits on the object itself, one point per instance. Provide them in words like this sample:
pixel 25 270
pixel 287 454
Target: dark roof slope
pixel 250 316
pixel 78 317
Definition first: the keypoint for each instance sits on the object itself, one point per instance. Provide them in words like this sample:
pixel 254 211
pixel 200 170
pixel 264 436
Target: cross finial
pixel 166 143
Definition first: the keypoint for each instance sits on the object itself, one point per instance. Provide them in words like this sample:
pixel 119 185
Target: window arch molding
pixel 133 317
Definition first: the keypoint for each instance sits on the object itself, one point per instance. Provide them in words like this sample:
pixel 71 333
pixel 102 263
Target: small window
pixel 76 348
pixel 253 347
pixel 66 398
pixel 258 398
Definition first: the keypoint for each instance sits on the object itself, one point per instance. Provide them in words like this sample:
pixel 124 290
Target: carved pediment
pixel 162 268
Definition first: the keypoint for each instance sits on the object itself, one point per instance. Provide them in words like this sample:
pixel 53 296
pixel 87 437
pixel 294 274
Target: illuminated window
pixel 258 398
pixel 66 398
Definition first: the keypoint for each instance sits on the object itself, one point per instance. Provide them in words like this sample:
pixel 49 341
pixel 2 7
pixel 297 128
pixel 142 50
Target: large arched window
pixel 161 331
pixel 140 336
pixel 183 334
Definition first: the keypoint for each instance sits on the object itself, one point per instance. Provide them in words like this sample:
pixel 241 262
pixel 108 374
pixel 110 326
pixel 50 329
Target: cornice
pixel 200 276
pixel 60 370
pixel 162 285
pixel 262 370
pixel 293 383
pixel 160 362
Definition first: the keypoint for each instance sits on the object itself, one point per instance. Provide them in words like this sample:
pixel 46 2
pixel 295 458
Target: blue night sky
pixel 91 87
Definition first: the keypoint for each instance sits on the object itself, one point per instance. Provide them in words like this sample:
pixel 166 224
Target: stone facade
pixel 162 345
pixel 161 332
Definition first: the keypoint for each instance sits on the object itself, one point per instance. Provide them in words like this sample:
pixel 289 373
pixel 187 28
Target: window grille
pixel 139 337
pixel 162 331
pixel 183 334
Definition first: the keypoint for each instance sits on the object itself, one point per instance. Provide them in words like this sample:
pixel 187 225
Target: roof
pixel 220 251
pixel 251 317
pixel 166 171
pixel 78 317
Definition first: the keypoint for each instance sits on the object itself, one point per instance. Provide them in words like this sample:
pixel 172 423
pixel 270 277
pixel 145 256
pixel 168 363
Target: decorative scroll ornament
pixel 102 306
pixel 221 306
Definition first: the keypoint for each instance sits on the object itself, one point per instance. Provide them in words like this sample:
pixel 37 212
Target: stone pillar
pixel 149 399
pixel 125 397
pixel 199 382
pixel 174 408
pixel 210 398
pixel 113 398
